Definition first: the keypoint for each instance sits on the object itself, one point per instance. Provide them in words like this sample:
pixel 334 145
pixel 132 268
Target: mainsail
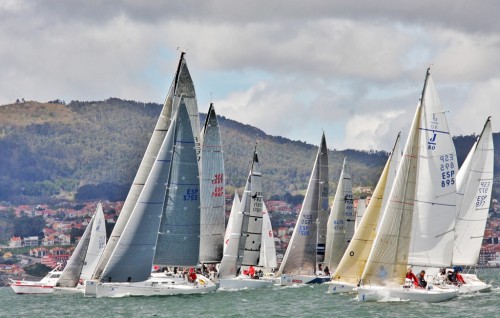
pixel 181 84
pixel 244 244
pixel 301 255
pixel 474 186
pixel 435 209
pixel 341 221
pixel 212 191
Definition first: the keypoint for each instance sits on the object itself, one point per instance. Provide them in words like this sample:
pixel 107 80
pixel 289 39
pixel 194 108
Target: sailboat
pixel 85 257
pixel 417 226
pixel 182 85
pixel 348 273
pixel 212 191
pixel 243 250
pixel 340 228
pixel 474 186
pixel 164 226
pixel 304 253
pixel 79 267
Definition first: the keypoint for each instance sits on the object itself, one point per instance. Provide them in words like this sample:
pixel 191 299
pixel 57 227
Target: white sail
pixel 360 211
pixel 244 244
pixel 97 244
pixel 301 255
pixel 474 186
pixel 356 255
pixel 212 192
pixel 341 221
pixel 435 209
pixel 268 250
pixel 181 84
pixel 139 238
pixel 234 211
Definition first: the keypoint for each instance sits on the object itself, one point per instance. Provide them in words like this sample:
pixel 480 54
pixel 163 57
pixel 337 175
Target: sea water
pixel 294 301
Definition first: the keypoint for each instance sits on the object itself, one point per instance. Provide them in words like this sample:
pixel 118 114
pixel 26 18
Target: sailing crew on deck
pixel 411 276
pixel 421 279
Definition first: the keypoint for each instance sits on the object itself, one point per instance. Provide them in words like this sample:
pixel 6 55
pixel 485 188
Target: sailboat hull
pixel 69 290
pixel 29 287
pixel 337 287
pixel 288 280
pixel 432 295
pixel 244 283
pixel 154 286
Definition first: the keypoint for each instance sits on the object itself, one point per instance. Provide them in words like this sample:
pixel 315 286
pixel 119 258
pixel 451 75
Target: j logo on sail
pixel 431 144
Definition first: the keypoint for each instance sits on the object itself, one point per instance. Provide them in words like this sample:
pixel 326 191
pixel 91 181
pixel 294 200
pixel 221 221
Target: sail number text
pixel 483 191
pixel 447 170
pixel 191 194
pixel 304 225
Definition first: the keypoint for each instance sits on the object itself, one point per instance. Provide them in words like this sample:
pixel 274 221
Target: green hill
pixel 93 149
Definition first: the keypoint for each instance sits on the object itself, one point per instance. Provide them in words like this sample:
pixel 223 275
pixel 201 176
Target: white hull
pixel 433 295
pixel 244 282
pixel 289 280
pixel 30 287
pixel 473 285
pixel 69 290
pixel 154 286
pixel 337 287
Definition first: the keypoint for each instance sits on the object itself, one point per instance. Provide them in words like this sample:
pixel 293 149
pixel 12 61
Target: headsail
pixel 474 186
pixel 139 237
pixel 181 84
pixel 234 212
pixel 356 255
pixel 97 244
pixel 268 249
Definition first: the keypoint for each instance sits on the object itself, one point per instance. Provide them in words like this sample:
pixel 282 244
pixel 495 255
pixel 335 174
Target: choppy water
pixel 301 301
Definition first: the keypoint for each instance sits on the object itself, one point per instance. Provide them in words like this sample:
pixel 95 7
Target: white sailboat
pixel 244 246
pixel 340 228
pixel 79 267
pixel 85 257
pixel 164 226
pixel 182 85
pixel 418 221
pixel 348 273
pixel 300 263
pixel 213 201
pixel 474 186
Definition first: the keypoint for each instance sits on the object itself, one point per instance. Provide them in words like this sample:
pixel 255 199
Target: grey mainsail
pixel 244 244
pixel 301 255
pixel 181 84
pixel 132 258
pixel 178 242
pixel 212 191
pixel 71 273
pixel 323 211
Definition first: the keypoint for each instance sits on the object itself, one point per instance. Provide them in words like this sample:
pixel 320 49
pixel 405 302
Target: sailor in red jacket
pixel 410 275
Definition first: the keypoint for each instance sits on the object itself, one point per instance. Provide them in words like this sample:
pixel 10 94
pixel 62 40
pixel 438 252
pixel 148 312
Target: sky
pixel 353 69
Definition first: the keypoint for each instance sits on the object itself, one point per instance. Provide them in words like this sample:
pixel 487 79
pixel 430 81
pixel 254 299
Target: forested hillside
pixel 92 150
